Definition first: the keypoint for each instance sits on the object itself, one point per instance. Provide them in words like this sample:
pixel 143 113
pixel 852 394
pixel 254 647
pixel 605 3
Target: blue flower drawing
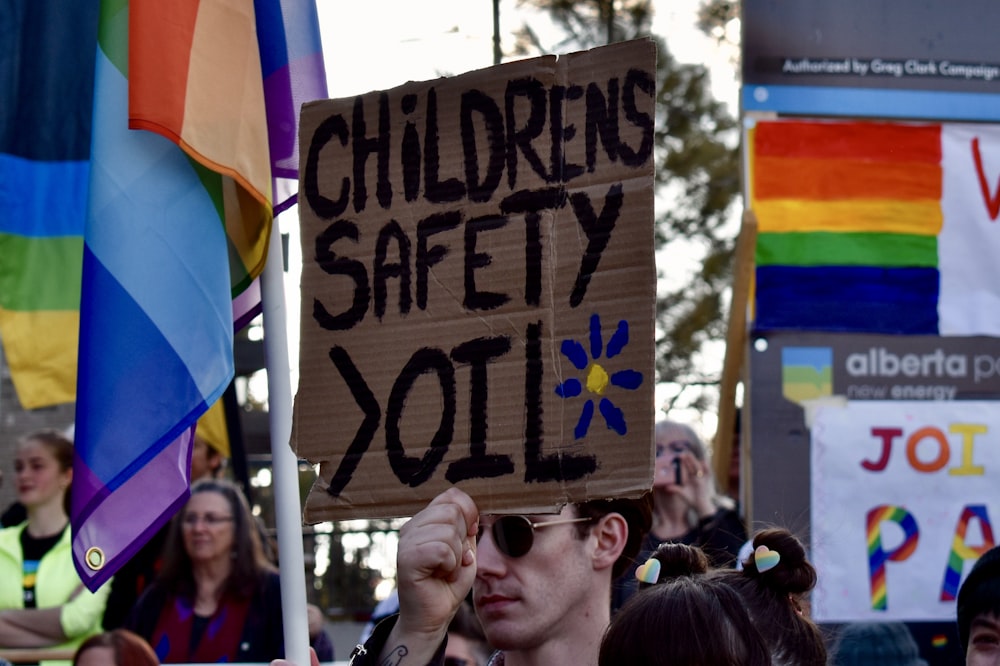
pixel 596 379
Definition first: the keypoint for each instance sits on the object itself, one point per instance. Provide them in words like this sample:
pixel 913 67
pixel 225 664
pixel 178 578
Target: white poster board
pixel 903 494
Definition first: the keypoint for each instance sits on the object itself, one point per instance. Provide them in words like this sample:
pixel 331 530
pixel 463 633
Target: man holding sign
pixel 541 584
pixel 478 293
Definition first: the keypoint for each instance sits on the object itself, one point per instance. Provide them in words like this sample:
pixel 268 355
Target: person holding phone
pixel 687 508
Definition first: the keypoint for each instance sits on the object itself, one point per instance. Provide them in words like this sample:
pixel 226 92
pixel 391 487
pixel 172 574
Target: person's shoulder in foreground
pixel 978 611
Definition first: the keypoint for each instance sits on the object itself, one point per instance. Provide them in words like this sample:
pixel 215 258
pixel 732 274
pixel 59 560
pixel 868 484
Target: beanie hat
pixel 876 644
pixel 980 593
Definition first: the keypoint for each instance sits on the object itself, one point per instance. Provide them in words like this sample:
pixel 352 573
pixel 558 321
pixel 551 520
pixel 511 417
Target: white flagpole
pixel 288 509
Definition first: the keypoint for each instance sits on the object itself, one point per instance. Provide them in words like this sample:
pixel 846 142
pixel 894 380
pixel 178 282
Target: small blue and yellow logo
pixel 806 373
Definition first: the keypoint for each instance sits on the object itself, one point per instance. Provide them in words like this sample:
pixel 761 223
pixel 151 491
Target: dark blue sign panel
pixel 916 59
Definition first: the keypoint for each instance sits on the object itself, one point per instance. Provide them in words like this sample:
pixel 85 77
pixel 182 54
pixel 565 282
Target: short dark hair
pixel 980 593
pixel 638 514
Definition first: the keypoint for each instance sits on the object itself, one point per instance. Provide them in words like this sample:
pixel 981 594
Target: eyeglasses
pixel 514 535
pixel 210 519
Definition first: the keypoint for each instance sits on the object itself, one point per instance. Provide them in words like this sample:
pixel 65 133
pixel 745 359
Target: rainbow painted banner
pixel 903 499
pixel 876 227
pixel 179 220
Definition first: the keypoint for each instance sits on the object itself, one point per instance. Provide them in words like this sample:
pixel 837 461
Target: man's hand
pixel 436 566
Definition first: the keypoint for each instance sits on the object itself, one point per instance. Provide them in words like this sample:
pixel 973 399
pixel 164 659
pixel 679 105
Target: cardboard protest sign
pixel 903 501
pixel 478 288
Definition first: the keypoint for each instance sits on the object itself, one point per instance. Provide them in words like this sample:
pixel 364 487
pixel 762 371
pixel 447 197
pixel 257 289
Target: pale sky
pixel 425 40
pixel 379 44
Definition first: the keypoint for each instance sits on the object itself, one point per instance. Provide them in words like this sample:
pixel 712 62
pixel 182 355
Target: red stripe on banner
pixel 882 142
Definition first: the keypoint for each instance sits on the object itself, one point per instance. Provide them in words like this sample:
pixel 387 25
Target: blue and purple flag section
pixel 291 59
pixel 156 326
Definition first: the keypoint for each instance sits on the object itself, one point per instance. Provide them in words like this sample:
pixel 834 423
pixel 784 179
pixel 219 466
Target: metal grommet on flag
pixel 95 558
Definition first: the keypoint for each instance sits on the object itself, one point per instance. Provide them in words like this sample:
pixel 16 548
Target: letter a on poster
pixel 478 288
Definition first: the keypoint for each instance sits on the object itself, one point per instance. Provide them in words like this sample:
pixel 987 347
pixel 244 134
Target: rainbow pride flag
pixel 179 220
pixel 876 227
pixel 46 84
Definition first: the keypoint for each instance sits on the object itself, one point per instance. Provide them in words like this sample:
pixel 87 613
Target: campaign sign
pixel 478 287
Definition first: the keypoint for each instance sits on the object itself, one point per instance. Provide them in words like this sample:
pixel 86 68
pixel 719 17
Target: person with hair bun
pixel 773 586
pixel 682 617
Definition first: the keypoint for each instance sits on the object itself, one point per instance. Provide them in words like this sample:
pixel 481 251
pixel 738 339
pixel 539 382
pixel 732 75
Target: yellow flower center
pixel 597 379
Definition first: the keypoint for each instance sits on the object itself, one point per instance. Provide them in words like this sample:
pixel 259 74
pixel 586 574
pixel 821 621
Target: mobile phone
pixel 677 470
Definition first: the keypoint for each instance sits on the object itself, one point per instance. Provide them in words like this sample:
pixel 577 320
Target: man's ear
pixel 611 533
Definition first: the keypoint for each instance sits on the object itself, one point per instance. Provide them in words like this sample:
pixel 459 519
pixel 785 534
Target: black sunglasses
pixel 514 535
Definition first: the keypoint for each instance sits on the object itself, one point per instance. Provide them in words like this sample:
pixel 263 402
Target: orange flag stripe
pixel 826 179
pixel 158 69
pixel 185 86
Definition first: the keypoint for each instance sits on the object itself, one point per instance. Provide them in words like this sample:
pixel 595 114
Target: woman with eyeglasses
pixel 687 508
pixel 43 604
pixel 217 598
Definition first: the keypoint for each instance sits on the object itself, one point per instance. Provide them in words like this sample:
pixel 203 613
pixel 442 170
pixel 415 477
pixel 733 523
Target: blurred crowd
pixel 668 578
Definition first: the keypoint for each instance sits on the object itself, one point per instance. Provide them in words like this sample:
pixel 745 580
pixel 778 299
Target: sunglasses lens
pixel 513 535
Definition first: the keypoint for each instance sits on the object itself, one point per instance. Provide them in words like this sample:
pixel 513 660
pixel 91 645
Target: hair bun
pixel 793 574
pixel 679 559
